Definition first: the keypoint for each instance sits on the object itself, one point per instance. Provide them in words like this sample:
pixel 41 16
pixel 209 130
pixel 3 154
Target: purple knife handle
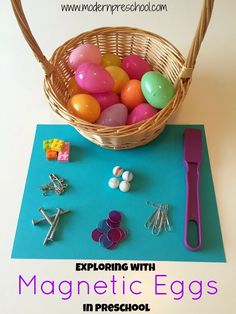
pixel 192 214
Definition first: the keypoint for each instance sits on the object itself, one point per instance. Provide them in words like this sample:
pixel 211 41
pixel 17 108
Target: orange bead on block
pixel 51 154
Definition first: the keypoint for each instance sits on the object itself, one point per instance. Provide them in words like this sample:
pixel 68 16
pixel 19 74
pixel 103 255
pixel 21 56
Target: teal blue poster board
pixel 159 175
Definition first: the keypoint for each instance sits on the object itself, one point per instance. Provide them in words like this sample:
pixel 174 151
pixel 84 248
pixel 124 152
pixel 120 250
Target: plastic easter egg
pixel 141 112
pixel 94 78
pixel 131 94
pixel 114 115
pixel 84 53
pixel 85 107
pixel 106 99
pixel 110 59
pixel 74 88
pixel 157 89
pixel 119 76
pixel 135 66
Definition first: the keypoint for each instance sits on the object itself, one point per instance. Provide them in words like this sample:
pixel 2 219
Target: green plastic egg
pixel 157 89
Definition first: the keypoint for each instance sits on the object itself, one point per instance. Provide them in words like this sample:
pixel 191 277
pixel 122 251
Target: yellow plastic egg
pixel 119 76
pixel 110 59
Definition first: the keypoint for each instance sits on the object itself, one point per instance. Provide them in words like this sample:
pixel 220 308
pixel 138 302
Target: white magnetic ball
pixel 117 171
pixel 127 176
pixel 124 186
pixel 113 183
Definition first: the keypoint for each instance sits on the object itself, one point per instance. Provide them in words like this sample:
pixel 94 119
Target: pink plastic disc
pixel 114 235
pixel 96 234
pixel 115 216
pixel 113 224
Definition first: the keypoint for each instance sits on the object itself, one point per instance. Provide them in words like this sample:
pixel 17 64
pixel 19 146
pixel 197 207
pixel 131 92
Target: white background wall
pixel 210 101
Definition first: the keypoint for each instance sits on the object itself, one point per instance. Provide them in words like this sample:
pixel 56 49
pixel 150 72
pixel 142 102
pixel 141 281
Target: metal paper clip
pixel 158 221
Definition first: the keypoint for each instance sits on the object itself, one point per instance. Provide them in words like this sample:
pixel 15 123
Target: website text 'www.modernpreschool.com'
pixel 113 8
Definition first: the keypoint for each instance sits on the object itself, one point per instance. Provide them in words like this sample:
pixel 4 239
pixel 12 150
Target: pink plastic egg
pixel 135 66
pixel 84 53
pixel 106 99
pixel 141 112
pixel 94 78
pixel 114 115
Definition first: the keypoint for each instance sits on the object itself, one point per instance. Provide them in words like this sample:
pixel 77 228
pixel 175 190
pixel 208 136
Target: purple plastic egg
pixel 135 66
pixel 94 78
pixel 84 53
pixel 114 115
pixel 141 112
pixel 106 99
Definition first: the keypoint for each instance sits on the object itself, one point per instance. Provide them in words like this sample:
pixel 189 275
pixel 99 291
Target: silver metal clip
pixel 158 221
pixel 57 185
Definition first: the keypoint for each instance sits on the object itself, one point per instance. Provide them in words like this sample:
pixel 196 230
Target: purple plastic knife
pixel 192 160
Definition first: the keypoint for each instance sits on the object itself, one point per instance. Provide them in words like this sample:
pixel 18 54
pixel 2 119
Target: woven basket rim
pixel 48 81
pixel 116 29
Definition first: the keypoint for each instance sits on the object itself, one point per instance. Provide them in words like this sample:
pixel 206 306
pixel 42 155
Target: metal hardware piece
pixel 52 226
pixel 50 238
pixel 57 185
pixel 45 215
pixel 36 222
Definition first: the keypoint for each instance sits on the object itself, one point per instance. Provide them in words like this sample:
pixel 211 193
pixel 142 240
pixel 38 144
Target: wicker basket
pixel 123 41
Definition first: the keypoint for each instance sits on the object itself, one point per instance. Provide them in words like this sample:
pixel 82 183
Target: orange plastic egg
pixel 85 107
pixel 131 94
pixel 119 76
pixel 74 89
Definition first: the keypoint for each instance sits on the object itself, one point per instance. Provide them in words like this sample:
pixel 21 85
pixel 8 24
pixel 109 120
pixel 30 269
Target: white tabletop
pixel 210 101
